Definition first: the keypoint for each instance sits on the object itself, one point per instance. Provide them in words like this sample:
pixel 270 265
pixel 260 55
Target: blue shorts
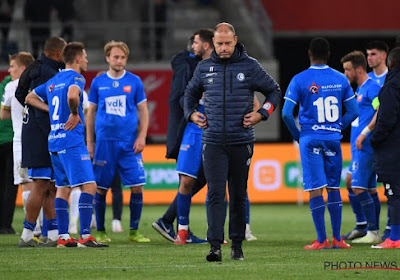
pixel 322 163
pixel 189 158
pixel 72 167
pixel 44 173
pixel 110 156
pixel 363 175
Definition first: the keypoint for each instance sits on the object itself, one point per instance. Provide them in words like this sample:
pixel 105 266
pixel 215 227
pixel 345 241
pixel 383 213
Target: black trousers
pixel 8 192
pixel 222 164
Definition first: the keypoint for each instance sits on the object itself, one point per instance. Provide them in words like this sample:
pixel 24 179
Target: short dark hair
pixel 379 45
pixel 53 45
pixel 394 58
pixel 319 48
pixel 71 51
pixel 206 35
pixel 356 58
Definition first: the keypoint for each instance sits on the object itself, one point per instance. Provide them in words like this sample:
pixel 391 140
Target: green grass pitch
pixel 282 231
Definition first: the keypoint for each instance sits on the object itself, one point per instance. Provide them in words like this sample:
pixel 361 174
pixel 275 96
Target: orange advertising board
pixel 274 177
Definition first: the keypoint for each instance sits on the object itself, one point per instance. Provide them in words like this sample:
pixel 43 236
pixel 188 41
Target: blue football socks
pixel 135 205
pixel 85 212
pixel 30 226
pixel 61 207
pixel 369 209
pixel 377 204
pixel 44 226
pixel 395 233
pixel 184 202
pixel 335 210
pixel 317 207
pixel 100 209
pixel 357 209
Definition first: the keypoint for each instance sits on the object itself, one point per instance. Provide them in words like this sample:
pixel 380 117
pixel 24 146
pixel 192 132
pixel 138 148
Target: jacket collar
pixel 392 73
pixel 51 62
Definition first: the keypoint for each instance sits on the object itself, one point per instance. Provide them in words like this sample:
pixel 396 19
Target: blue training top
pixel 116 100
pixel 379 79
pixel 368 91
pixel 320 92
pixel 55 93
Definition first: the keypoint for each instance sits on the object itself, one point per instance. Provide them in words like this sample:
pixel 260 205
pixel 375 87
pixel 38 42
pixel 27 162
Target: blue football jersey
pixel 365 95
pixel 116 100
pixel 55 93
pixel 379 79
pixel 320 92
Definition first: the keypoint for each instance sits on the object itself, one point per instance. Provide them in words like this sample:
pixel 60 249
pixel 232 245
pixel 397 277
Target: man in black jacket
pixel 228 80
pixel 386 141
pixel 183 65
pixel 35 155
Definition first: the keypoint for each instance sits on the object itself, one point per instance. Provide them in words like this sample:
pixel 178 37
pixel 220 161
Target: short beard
pixel 117 70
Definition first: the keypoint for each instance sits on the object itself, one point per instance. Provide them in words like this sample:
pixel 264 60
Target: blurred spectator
pixel 153 19
pixel 37 16
pixel 397 42
pixel 66 13
pixel 8 192
pixel 6 11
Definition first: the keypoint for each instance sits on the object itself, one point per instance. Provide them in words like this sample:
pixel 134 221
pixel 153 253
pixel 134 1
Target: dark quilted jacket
pixel 228 86
pixel 183 65
pixel 385 138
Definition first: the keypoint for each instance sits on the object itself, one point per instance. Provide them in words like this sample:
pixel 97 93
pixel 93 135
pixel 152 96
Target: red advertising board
pixel 156 84
pixel 323 15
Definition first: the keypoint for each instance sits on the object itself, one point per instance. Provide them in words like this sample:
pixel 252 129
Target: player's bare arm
pixel 35 101
pixel 73 104
pixel 90 120
pixel 360 139
pixel 142 127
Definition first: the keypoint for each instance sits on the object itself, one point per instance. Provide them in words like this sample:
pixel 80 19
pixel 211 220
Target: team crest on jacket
pixel 210 80
pixel 240 77
pixel 314 88
pixel 115 84
pixel 51 87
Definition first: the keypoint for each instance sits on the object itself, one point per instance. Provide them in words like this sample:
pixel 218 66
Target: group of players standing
pixel 54 149
pixel 320 92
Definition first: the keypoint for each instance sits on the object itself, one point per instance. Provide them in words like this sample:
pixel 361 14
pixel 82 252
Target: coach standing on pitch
pixel 386 141
pixel 228 80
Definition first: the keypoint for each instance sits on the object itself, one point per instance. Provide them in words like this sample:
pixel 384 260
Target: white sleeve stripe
pixel 38 96
pixel 142 101
pixel 73 85
pixel 349 98
pixel 287 98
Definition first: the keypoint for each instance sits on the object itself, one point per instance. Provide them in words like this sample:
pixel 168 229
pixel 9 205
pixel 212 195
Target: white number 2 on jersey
pixel 327 109
pixel 56 103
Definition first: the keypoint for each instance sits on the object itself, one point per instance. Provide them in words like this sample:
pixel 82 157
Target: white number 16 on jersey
pixel 327 109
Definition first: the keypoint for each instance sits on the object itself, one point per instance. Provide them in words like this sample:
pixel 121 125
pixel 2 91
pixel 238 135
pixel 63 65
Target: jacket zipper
pixel 224 108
